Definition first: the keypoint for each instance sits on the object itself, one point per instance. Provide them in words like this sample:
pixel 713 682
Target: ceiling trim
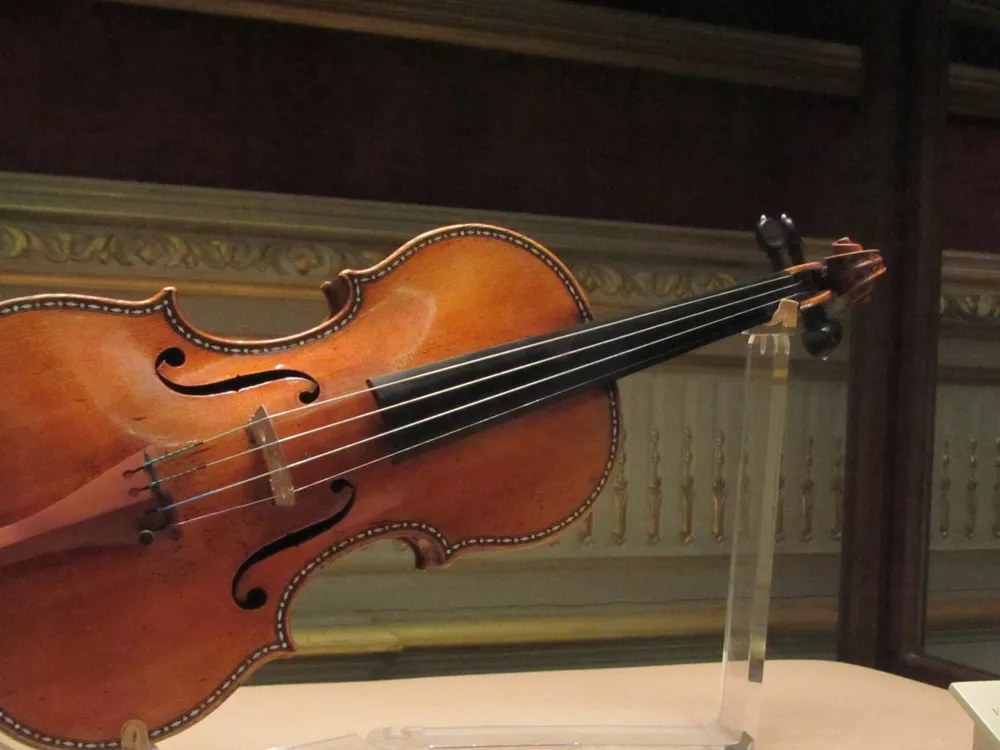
pixel 602 36
pixel 568 31
pixel 979 13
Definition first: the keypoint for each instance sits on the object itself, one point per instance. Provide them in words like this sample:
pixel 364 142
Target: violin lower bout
pixel 95 638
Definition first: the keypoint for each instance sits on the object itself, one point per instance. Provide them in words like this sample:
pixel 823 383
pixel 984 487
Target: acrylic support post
pixel 765 387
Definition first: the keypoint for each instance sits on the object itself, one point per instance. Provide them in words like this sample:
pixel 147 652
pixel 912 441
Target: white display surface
pixel 807 705
pixel 981 701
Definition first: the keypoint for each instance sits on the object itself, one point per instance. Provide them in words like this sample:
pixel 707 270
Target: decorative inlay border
pixel 164 302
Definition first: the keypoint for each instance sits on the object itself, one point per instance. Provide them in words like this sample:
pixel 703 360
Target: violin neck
pixel 444 400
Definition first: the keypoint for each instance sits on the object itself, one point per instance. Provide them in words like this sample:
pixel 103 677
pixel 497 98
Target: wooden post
pixel 889 446
pixel 888 459
pixel 871 396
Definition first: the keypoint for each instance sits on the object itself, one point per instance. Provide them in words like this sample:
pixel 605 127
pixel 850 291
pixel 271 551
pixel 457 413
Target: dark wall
pixel 138 94
pixel 972 188
pixel 132 93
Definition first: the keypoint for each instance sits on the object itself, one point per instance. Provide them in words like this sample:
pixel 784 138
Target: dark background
pixel 134 93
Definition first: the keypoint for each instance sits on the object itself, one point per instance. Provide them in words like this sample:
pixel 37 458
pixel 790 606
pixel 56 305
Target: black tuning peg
pixel 822 334
pixel 793 241
pixel 777 236
pixel 771 239
pixel 778 239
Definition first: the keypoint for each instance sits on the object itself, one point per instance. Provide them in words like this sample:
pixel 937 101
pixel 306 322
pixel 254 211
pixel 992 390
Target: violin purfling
pixel 167 493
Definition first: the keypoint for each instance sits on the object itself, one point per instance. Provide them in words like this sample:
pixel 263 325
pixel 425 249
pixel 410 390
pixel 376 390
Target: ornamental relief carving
pixel 167 251
pixel 970 307
pixel 605 280
pixel 174 251
pixel 46 247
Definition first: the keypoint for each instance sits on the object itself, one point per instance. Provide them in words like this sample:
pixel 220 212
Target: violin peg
pixel 770 237
pixel 778 236
pixel 793 241
pixel 822 335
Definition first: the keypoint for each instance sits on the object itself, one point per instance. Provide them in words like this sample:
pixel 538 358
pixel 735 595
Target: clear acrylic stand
pixel 765 387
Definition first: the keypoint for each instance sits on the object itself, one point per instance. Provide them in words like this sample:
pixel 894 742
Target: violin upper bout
pixel 472 258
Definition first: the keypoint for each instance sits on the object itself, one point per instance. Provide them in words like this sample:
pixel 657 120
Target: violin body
pixel 104 399
pixel 166 493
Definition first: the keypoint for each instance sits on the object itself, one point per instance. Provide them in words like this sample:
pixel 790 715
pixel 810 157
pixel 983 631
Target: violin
pixel 167 493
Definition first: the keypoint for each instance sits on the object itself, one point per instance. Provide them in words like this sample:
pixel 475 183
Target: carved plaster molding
pixel 132 237
pixel 970 295
pixel 971 308
pixel 31 246
pixel 582 33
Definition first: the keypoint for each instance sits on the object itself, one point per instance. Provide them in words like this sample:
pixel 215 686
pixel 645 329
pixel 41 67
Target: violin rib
pixel 163 631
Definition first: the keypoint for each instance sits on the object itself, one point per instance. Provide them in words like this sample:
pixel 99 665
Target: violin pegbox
pixel 779 239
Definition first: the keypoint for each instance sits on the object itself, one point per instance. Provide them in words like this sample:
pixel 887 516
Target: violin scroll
pixel 851 272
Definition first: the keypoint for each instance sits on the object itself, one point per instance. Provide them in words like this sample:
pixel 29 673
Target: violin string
pixel 781 275
pixel 438 415
pixel 459 408
pixel 387 456
pixel 464 384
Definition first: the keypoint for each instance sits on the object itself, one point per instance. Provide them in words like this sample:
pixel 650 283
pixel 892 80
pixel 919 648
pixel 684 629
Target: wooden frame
pixel 894 363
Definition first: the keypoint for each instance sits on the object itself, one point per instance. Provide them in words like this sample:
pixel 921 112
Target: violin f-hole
pixel 257 597
pixel 175 357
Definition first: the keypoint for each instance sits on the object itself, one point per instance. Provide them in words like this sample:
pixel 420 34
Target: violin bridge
pixel 263 434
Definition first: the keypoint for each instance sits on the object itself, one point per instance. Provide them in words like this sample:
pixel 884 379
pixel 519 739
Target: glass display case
pixel 751 544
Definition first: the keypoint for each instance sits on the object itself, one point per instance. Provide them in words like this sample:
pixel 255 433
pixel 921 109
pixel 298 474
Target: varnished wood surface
pixel 93 638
